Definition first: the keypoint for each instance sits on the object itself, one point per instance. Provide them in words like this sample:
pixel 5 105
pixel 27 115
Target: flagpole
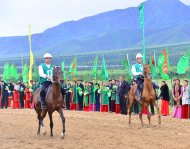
pixel 131 76
pixel 21 61
pixel 188 83
pixel 156 77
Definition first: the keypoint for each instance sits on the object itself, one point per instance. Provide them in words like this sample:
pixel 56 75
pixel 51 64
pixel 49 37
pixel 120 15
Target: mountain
pixel 166 22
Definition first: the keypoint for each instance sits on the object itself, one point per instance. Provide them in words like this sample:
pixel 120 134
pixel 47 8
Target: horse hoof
pixel 62 135
pixel 44 132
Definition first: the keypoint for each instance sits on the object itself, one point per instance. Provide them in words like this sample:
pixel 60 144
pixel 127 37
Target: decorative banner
pixel 163 65
pixel 73 68
pixel 183 63
pixel 6 72
pixel 104 72
pixel 127 66
pixel 141 11
pixel 25 73
pixel 31 56
pixel 153 64
pixel 94 69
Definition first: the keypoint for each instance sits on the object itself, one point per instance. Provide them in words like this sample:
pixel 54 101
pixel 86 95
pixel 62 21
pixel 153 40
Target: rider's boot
pixel 43 103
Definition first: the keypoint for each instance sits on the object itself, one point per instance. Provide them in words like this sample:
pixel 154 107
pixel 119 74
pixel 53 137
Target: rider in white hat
pixel 46 77
pixel 137 71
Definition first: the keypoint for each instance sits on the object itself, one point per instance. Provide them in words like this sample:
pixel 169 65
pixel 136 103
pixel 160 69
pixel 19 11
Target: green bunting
pixel 6 72
pixel 73 66
pixel 163 65
pixel 63 70
pixel 127 66
pixel 183 64
pixel 94 69
pixel 153 64
pixel 104 72
pixel 13 73
pixel 141 12
pixel 25 73
pixel 35 73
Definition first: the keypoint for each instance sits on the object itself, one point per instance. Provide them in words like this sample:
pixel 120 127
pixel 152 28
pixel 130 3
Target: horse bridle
pixel 55 73
pixel 149 75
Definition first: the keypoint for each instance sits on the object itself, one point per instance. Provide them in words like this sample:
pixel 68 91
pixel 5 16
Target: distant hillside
pixel 166 21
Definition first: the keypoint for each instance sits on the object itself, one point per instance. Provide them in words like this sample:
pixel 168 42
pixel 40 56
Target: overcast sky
pixel 15 15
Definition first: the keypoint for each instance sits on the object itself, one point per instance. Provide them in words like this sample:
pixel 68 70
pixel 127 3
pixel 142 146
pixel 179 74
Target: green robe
pixel 92 95
pixel 117 96
pixel 75 98
pixel 113 96
pixel 86 97
pixel 104 96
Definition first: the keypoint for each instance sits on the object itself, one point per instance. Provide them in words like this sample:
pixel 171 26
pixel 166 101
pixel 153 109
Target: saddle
pixel 46 93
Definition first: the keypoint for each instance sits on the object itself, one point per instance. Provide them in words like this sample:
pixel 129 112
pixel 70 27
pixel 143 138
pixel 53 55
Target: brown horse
pixel 148 96
pixel 54 101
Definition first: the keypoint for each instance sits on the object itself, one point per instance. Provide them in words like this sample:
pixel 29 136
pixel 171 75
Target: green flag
pixel 11 72
pixel 6 72
pixel 163 65
pixel 63 70
pixel 35 74
pixel 127 66
pixel 141 12
pixel 94 69
pixel 153 64
pixel 25 73
pixel 183 63
pixel 73 66
pixel 16 76
pixel 104 73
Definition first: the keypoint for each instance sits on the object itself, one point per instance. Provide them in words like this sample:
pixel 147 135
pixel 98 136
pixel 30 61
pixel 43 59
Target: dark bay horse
pixel 148 96
pixel 54 101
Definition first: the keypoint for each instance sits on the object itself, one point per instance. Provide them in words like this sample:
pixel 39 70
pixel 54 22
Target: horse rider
pixel 137 71
pixel 46 77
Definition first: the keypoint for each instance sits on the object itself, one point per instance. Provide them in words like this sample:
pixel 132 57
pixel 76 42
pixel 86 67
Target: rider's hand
pixel 50 78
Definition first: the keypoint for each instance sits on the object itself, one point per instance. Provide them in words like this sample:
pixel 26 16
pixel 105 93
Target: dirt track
pixel 91 130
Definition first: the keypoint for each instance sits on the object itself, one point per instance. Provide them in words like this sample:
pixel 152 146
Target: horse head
pixel 57 74
pixel 147 70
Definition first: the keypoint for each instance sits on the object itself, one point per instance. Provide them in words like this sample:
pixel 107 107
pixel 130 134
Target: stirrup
pixel 43 107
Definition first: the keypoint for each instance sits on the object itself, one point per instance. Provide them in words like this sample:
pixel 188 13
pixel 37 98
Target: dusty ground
pixel 91 130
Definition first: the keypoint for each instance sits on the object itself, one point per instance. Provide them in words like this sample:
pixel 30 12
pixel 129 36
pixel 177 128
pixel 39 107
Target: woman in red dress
pixel 164 95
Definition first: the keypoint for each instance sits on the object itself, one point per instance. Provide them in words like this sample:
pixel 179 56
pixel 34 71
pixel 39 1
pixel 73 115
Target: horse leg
pixel 140 114
pixel 41 116
pixel 38 133
pixel 43 130
pixel 130 109
pixel 60 111
pixel 38 111
pixel 51 123
pixel 158 110
pixel 149 115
